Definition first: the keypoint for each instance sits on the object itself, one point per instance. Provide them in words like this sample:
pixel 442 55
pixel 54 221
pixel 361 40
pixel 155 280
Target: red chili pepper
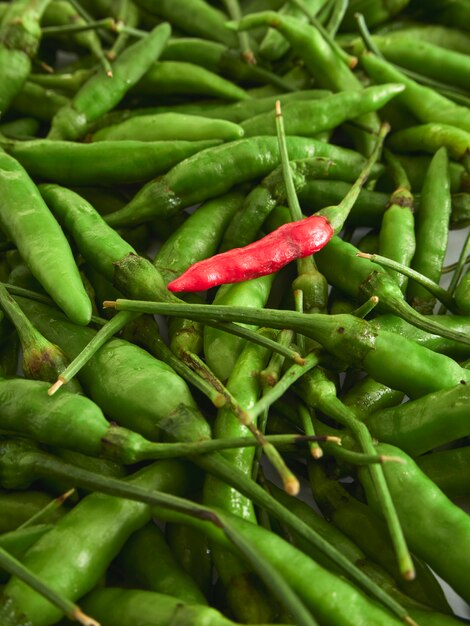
pixel 267 255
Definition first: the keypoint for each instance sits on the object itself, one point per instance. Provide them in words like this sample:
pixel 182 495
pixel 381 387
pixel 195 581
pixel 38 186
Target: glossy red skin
pixel 267 255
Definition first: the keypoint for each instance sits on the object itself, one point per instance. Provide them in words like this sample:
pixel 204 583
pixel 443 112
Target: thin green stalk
pixel 366 36
pixel 71 610
pixel 338 216
pixel 350 61
pixel 46 511
pixel 254 337
pixel 339 10
pixel 368 306
pixel 399 175
pixel 459 267
pixel 274 318
pixel 235 13
pixel 290 377
pixel 117 323
pixel 272 578
pixel 305 417
pixel 340 412
pixel 27 333
pixel 107 22
pixel 270 375
pixel 88 18
pixel 113 326
pixel 438 292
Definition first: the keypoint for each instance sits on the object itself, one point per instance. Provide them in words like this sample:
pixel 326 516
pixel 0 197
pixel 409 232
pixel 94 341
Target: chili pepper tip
pixel 364 255
pixel 109 304
pixel 316 453
pixel 409 620
pixel 56 386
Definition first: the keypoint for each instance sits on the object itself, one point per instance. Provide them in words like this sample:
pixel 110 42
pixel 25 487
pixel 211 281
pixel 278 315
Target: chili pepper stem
pixel 56 386
pixel 49 508
pixel 441 294
pixel 79 616
pixel 368 306
pixel 15 568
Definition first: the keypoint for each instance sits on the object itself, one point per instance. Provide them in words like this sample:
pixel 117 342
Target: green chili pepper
pixel 40 240
pixel 437 530
pixel 103 162
pixel 216 170
pixel 163 574
pixel 415 369
pixel 26 127
pixel 448 469
pixel 194 17
pixel 319 57
pixel 306 119
pixel 41 359
pixel 221 60
pixel 18 507
pixel 299 569
pixel 397 239
pixel 170 126
pixel 38 102
pixel 245 597
pixel 20 35
pixel 193 553
pixel 176 77
pixel 118 607
pixel 98 95
pixel 432 231
pixel 426 104
pixel 430 137
pixel 86 540
pixel 423 424
pixel 366 529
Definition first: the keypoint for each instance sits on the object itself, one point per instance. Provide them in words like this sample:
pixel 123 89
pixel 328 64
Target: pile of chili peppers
pixel 277 182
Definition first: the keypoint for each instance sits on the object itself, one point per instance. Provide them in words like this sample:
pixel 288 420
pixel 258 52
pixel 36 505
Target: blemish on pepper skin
pixel 341 330
pixel 463 382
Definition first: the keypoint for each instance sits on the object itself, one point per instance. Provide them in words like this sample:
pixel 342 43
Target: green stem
pixel 339 10
pixel 368 306
pixel 308 325
pixel 305 417
pixel 459 267
pixel 290 377
pixel 350 61
pixel 71 610
pixel 337 215
pixel 234 11
pixel 399 175
pixel 332 406
pixel 366 36
pixel 272 578
pixel 107 23
pixel 45 512
pixel 111 327
pixel 438 292
pixel 254 337
pixel 28 335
